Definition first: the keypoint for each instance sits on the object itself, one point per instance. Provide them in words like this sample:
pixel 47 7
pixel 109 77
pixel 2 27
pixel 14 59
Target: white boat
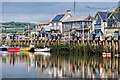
pixel 43 50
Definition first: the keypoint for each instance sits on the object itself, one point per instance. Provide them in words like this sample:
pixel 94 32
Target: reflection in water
pixel 65 66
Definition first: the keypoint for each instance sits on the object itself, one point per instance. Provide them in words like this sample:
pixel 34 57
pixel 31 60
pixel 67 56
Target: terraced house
pixel 80 24
pixel 107 22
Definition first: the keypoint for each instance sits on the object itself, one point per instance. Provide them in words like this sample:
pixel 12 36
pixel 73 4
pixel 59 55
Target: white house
pixel 57 21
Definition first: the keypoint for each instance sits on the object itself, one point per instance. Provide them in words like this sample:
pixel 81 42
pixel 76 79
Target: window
pixel 112 22
pixel 97 20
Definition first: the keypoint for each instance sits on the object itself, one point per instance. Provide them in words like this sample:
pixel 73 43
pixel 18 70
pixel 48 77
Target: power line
pixel 94 8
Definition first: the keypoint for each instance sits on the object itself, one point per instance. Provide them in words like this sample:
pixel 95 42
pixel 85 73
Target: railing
pixel 54 27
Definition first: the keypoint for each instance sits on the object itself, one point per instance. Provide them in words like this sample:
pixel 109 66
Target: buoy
pixel 104 54
pixel 108 54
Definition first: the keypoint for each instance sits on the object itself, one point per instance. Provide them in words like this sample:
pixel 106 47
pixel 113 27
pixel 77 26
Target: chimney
pixel 68 12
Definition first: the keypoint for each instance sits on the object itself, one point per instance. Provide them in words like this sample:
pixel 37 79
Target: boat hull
pixel 28 49
pixel 42 50
pixel 14 49
pixel 3 49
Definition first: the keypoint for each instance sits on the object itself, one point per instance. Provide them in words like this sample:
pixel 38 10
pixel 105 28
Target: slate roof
pixel 76 18
pixel 117 15
pixel 105 15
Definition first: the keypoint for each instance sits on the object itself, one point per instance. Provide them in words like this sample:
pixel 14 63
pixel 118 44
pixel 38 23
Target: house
pixel 81 24
pixel 107 22
pixel 57 22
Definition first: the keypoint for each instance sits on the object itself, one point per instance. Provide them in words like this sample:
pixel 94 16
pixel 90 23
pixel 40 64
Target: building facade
pixel 57 22
pixel 80 24
pixel 43 25
pixel 107 22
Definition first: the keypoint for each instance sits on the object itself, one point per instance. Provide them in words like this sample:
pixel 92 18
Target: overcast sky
pixel 60 0
pixel 38 11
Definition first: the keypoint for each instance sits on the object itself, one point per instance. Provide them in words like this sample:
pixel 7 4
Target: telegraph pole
pixel 74 6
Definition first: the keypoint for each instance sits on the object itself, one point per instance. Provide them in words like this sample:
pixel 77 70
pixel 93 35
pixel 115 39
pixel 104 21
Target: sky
pixel 59 0
pixel 37 11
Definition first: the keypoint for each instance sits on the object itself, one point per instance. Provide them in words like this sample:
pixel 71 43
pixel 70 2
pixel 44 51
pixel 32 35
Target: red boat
pixel 13 49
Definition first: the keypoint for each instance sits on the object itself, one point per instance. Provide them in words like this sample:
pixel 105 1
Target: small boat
pixel 29 49
pixel 13 49
pixel 43 50
pixel 3 48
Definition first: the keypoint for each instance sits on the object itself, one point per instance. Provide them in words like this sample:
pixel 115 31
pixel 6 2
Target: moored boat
pixel 42 50
pixel 3 48
pixel 13 49
pixel 29 49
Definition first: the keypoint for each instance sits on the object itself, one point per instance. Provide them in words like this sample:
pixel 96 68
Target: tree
pixel 118 9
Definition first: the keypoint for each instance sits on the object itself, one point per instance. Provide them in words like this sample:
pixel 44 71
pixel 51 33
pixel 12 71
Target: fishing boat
pixel 3 48
pixel 42 50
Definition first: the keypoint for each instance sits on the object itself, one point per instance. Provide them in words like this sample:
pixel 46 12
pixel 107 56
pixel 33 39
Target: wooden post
pixel 83 32
pixel 119 53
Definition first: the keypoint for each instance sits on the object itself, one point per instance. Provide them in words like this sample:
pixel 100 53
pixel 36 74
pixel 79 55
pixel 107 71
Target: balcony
pixel 97 26
pixel 112 27
pixel 54 28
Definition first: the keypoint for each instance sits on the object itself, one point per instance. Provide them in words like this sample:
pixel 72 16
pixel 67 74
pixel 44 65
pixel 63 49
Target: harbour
pixel 60 40
pixel 31 65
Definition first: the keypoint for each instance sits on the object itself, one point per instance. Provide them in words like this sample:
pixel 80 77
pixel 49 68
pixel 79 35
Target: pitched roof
pixel 117 14
pixel 59 17
pixel 104 15
pixel 76 18
pixel 43 22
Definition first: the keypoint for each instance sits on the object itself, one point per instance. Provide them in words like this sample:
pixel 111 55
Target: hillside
pixel 118 9
pixel 16 26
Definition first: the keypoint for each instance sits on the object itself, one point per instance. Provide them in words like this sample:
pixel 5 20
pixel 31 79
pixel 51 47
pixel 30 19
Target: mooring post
pixel 119 53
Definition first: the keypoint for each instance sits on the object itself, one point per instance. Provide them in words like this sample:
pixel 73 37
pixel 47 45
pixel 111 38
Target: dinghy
pixel 42 50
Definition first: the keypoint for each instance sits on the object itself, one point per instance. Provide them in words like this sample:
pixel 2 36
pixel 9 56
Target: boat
pixel 3 48
pixel 29 49
pixel 42 50
pixel 13 49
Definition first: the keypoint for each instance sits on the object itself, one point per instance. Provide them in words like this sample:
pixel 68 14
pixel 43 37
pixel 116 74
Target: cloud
pixel 38 11
pixel 35 18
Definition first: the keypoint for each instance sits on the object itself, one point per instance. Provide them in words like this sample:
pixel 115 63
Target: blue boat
pixel 3 48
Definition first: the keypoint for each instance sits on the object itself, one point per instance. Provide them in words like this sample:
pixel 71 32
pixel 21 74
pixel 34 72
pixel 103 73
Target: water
pixel 50 65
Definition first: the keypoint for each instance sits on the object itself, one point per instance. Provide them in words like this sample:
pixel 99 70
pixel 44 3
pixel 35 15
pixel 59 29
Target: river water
pixel 50 65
